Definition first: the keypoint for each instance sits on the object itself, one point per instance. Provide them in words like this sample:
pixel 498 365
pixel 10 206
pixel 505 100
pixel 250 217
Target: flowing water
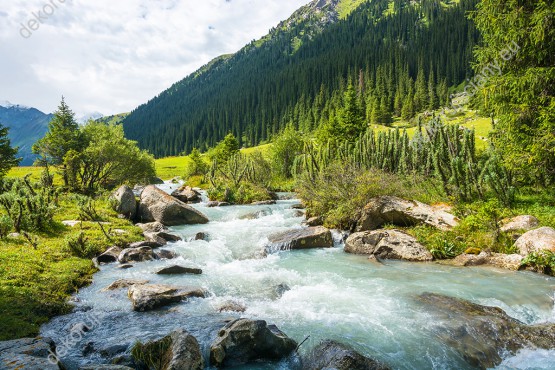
pixel 320 294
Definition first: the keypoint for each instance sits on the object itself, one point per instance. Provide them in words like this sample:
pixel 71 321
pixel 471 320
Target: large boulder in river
pixel 311 237
pixel 156 205
pixel 177 351
pixel 187 194
pixel 148 297
pixel 28 354
pixel 519 223
pixel 243 341
pixel 481 334
pixel 536 241
pixel 385 210
pixel 333 355
pixel 387 244
pixel 125 202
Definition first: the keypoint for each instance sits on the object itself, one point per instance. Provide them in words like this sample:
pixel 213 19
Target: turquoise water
pixel 332 295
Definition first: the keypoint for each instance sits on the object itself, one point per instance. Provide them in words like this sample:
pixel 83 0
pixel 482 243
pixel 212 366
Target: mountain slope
pixel 27 125
pixel 294 73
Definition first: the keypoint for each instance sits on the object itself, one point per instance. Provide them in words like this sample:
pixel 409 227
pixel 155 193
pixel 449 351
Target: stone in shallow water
pixel 124 283
pixel 481 334
pixel 387 244
pixel 243 341
pixel 333 355
pixel 179 270
pixel 177 351
pixel 311 237
pixel 152 296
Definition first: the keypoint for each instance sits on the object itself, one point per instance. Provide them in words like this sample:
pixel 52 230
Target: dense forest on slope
pixel 400 55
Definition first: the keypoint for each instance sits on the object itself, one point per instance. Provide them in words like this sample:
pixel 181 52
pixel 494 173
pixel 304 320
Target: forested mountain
pixel 27 125
pixel 402 56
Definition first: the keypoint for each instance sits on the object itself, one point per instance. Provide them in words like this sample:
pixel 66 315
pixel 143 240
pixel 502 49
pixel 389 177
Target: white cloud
pixel 110 56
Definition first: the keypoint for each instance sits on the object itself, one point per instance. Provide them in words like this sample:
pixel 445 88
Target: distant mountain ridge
pixel 27 125
pixel 296 73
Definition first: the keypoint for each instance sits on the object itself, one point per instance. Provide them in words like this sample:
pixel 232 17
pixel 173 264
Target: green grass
pixel 20 172
pixel 35 284
pixel 170 167
pixel 346 7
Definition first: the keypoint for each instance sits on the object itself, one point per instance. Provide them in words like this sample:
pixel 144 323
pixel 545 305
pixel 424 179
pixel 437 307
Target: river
pixel 331 295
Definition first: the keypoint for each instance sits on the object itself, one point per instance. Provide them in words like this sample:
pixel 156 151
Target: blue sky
pixel 110 56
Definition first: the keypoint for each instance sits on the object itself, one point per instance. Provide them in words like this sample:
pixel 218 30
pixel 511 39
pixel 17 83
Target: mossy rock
pixel 473 250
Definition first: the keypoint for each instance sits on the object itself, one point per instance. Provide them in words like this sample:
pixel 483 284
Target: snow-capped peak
pixel 7 104
pixel 85 118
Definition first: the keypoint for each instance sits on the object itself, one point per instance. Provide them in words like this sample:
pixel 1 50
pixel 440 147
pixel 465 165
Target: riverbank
pixel 37 282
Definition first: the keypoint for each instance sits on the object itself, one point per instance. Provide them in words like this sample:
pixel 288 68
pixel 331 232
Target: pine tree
pixel 63 137
pixel 351 116
pixel 8 154
pixel 433 102
pixel 421 91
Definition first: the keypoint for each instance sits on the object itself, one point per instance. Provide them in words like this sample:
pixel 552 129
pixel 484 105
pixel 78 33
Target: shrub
pixel 28 208
pixel 6 225
pixel 543 262
pixel 339 192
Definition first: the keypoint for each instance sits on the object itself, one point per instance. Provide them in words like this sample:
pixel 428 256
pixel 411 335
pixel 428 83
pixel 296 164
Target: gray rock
pixel 232 306
pixel 110 256
pixel 125 204
pixel 152 296
pixel 519 223
pixel 177 351
pixel 145 243
pixel 179 270
pixel 481 334
pixel 536 240
pixel 213 204
pixel 387 244
pixel 504 261
pixel 152 227
pixel 201 236
pixel 314 221
pixel 28 353
pixel 141 254
pixel 155 238
pixel 124 283
pixel 156 205
pixel 392 210
pixel 333 355
pixel 186 194
pixel 163 254
pixel 169 237
pixel 312 237
pixel 243 341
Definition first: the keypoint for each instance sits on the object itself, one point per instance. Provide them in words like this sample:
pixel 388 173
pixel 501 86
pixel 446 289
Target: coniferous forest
pixel 401 58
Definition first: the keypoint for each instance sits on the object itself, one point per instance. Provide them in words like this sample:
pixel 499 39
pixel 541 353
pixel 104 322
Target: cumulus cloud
pixel 110 56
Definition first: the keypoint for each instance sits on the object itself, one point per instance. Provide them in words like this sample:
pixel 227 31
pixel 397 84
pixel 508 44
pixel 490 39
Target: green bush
pixel 6 226
pixel 543 262
pixel 28 208
pixel 339 192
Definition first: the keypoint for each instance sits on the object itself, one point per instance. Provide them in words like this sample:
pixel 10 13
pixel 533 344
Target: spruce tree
pixel 8 154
